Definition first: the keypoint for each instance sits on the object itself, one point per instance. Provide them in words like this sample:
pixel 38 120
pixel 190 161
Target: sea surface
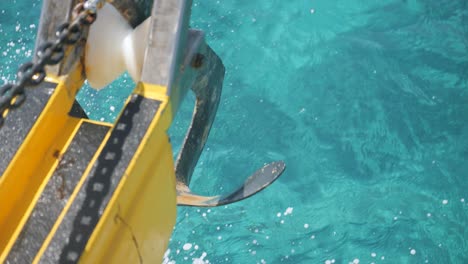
pixel 366 102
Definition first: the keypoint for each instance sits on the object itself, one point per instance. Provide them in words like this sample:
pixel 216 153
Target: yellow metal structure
pixel 141 216
pixel 138 220
pixel 34 162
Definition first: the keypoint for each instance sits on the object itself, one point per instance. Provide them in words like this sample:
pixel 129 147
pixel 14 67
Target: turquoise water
pixel 366 101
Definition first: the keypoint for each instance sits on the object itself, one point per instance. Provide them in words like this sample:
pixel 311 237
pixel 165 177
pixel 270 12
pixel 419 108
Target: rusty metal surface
pixel 207 88
pixel 135 11
pixel 258 181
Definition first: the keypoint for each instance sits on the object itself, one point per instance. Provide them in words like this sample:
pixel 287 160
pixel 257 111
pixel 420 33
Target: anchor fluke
pixel 254 184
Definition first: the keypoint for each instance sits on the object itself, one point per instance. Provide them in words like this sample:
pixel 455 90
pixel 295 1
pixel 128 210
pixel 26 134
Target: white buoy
pixel 113 47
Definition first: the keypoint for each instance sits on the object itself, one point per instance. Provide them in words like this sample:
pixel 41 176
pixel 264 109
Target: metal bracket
pixel 179 58
pixel 207 87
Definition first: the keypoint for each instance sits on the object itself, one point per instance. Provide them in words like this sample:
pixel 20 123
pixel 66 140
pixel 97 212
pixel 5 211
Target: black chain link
pixel 12 95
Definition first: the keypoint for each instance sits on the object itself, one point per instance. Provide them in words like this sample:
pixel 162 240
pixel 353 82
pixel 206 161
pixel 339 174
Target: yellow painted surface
pixel 139 219
pixel 70 200
pixel 27 174
pixel 138 222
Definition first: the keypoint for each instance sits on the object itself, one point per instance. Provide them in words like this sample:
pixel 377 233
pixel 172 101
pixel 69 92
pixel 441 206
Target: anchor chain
pixel 12 95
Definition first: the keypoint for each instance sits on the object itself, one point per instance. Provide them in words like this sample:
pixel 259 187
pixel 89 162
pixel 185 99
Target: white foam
pixel 289 210
pixel 445 202
pixel 166 259
pixel 187 246
pixel 200 260
pixel 413 251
